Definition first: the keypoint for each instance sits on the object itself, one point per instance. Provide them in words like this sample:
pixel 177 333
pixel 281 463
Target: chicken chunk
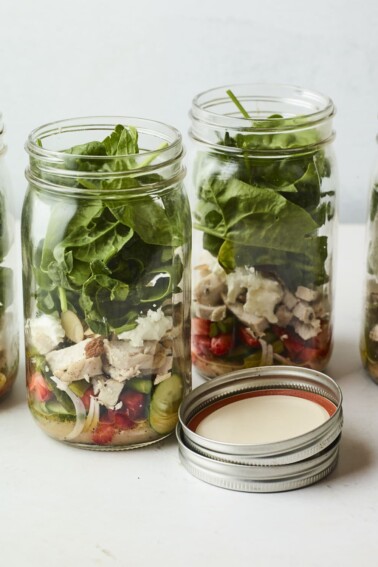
pixel 71 363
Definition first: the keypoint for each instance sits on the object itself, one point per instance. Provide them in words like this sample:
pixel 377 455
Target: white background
pixel 148 59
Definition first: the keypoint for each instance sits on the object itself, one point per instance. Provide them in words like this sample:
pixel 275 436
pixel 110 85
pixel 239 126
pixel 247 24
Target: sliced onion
pixel 264 352
pixel 93 415
pixel 81 414
pixel 269 355
pixel 88 421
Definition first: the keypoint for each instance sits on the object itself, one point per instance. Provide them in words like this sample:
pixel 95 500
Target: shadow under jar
pixel 106 274
pixel 263 214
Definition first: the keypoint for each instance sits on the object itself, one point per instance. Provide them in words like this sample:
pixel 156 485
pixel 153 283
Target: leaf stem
pixel 63 299
pixel 238 104
pixel 151 157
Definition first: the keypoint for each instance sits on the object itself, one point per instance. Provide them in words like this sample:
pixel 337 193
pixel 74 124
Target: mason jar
pixel 264 181
pixel 106 276
pixel 8 270
pixel 369 330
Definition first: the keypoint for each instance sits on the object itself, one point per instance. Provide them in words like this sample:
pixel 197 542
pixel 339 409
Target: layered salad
pixel 105 325
pixel 262 283
pixel 8 322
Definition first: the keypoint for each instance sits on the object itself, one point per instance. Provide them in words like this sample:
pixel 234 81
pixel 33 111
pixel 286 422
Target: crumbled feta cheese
pixel 107 391
pixel 237 281
pixel 263 294
pixel 262 297
pixel 153 327
pixel 44 333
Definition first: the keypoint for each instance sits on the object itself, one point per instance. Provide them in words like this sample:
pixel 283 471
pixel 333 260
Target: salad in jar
pixel 8 321
pixel 369 332
pixel 105 290
pixel 262 283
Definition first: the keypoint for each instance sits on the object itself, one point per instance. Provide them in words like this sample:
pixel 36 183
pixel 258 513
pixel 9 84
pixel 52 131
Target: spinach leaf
pixel 246 214
pixel 306 268
pixel 103 258
pixel 265 211
pixel 6 288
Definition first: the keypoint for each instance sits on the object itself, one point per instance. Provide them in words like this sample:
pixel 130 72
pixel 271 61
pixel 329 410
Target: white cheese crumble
pixel 153 327
pixel 45 333
pixel 107 392
pixel 263 294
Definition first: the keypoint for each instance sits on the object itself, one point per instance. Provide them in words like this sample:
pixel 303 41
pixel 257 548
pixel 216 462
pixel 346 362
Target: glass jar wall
pixel 264 182
pixel 8 255
pixel 106 274
pixel 369 331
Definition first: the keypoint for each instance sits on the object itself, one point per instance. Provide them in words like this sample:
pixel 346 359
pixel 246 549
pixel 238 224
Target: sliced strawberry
pixel 201 344
pixel 200 326
pixel 248 338
pixel 103 434
pixel 118 419
pixel 123 422
pixel 86 398
pixel 301 351
pixel 221 344
pixel 38 386
pixel 134 405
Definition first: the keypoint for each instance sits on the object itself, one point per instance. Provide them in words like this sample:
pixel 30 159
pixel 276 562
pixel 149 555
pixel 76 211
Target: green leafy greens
pixel 104 257
pixel 266 211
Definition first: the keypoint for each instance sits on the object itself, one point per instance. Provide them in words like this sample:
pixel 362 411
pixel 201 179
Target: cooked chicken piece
pixel 306 293
pixel 107 391
pixel 209 289
pixel 305 331
pixel 321 307
pixel 289 300
pixel 210 312
pixel 71 363
pixel 125 361
pixel 304 312
pixel 95 347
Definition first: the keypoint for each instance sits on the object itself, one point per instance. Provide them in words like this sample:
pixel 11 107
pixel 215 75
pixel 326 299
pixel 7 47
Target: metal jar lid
pixel 270 467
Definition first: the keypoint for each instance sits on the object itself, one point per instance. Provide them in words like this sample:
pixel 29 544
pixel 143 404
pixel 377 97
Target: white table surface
pixel 63 506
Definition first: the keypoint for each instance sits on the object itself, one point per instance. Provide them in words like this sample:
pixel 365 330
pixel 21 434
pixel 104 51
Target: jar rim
pixel 319 107
pixel 170 134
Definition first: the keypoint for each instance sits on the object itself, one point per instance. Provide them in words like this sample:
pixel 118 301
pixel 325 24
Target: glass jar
pixel 8 268
pixel 106 273
pixel 369 331
pixel 264 182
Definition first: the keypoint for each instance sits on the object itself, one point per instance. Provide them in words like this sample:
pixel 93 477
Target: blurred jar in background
pixel 8 266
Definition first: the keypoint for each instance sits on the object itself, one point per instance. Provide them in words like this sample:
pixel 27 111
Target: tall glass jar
pixel 265 181
pixel 106 273
pixel 8 269
pixel 369 331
